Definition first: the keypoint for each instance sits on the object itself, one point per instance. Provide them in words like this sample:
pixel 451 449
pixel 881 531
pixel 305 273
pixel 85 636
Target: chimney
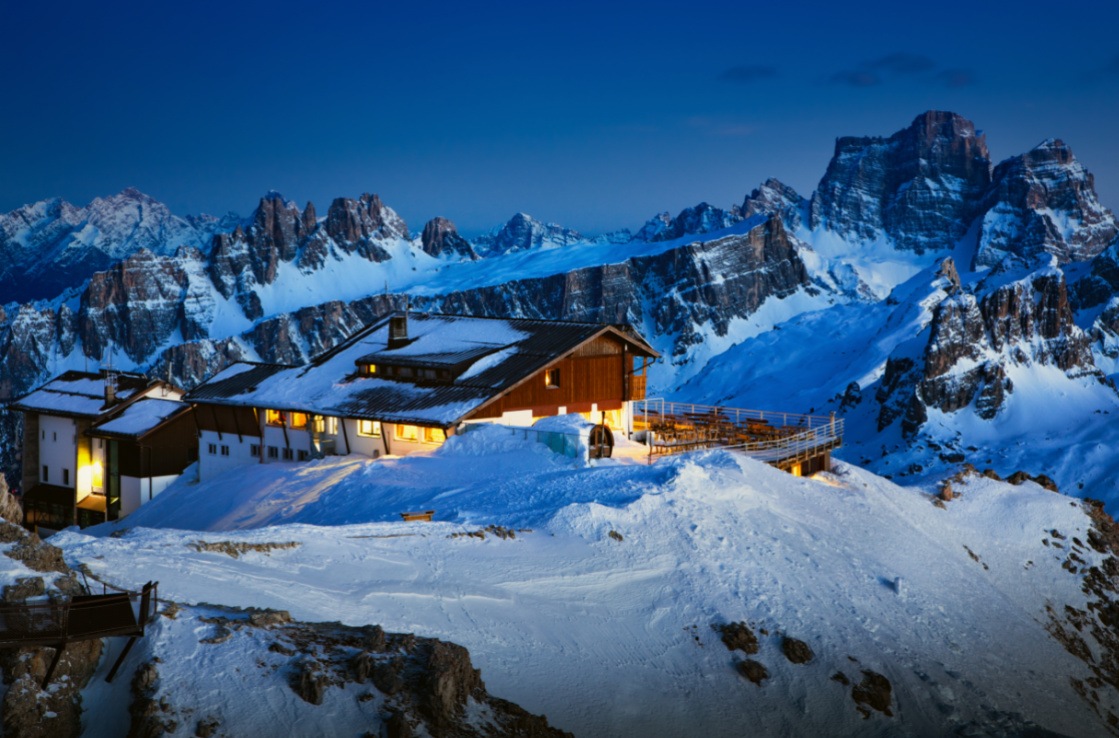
pixel 398 331
pixel 110 389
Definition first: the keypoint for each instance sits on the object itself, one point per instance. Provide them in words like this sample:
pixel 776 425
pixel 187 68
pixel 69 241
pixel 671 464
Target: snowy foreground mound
pixel 604 611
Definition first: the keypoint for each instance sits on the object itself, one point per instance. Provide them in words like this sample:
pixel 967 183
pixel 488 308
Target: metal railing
pixel 792 436
pixel 659 407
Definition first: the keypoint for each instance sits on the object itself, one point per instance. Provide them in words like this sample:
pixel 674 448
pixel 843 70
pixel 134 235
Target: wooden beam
pixel 345 435
pixel 54 663
pixel 120 659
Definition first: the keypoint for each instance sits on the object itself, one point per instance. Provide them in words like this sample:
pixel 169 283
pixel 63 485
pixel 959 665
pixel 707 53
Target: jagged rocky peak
pixel 136 305
pixel 921 187
pixel 440 238
pixel 974 338
pixel 277 224
pixel 351 221
pixel 1044 202
pixel 525 232
pixel 702 218
pixel 776 198
pixel 310 218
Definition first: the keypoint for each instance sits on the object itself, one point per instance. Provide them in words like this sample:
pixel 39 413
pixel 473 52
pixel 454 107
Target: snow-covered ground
pixel 599 613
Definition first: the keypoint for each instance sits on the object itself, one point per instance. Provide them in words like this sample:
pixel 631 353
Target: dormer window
pixel 552 378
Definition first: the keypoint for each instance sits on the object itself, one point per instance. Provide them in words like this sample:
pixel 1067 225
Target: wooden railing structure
pixel 789 441
pixel 55 622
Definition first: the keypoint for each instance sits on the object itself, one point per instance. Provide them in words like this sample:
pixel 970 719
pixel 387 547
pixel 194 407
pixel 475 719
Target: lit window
pixel 97 477
pixel 299 421
pixel 552 378
pixel 273 417
pixel 371 369
pixel 407 432
pixel 434 435
pixel 368 428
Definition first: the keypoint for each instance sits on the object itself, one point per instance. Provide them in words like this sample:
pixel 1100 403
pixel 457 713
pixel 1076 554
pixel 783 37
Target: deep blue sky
pixel 592 114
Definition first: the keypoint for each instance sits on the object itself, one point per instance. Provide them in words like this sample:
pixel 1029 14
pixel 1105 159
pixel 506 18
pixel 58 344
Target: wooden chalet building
pixel 98 445
pixel 405 383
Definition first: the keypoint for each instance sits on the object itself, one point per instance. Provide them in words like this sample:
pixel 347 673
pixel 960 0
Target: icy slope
pixel 601 616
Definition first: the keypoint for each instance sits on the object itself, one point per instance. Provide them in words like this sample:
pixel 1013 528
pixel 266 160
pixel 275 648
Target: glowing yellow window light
pixel 91 478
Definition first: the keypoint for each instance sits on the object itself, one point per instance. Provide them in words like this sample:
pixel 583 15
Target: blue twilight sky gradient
pixel 595 115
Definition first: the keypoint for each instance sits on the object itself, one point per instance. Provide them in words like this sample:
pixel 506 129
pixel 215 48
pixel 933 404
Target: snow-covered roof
pixel 80 394
pixel 494 354
pixel 140 417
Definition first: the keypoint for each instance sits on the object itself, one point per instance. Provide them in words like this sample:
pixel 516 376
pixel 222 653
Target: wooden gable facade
pixel 599 375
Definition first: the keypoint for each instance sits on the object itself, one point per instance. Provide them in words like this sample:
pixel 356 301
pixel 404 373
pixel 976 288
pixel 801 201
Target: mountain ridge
pixel 1032 285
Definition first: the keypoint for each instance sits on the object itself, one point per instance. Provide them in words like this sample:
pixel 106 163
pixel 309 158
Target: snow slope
pixel 613 634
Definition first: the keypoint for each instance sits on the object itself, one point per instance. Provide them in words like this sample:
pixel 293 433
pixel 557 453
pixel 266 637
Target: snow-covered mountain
pixel 693 596
pixel 49 246
pixel 929 295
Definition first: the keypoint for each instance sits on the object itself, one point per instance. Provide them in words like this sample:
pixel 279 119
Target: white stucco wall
pixel 212 464
pixel 57 449
pixel 365 445
pixel 135 491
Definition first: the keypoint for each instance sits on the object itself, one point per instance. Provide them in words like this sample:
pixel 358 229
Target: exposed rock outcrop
pixel 774 197
pixel 439 238
pixel 971 342
pixel 428 686
pixel 28 710
pixel 1044 203
pixel 921 187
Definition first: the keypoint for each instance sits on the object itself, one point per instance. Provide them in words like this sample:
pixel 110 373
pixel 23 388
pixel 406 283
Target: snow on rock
pixel 1044 202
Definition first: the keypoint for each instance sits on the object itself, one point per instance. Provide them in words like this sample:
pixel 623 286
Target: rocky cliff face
pixel 28 711
pixel 440 238
pixel 1044 203
pixel 921 187
pixel 776 198
pixel 973 338
pixel 50 246
pixel 670 294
